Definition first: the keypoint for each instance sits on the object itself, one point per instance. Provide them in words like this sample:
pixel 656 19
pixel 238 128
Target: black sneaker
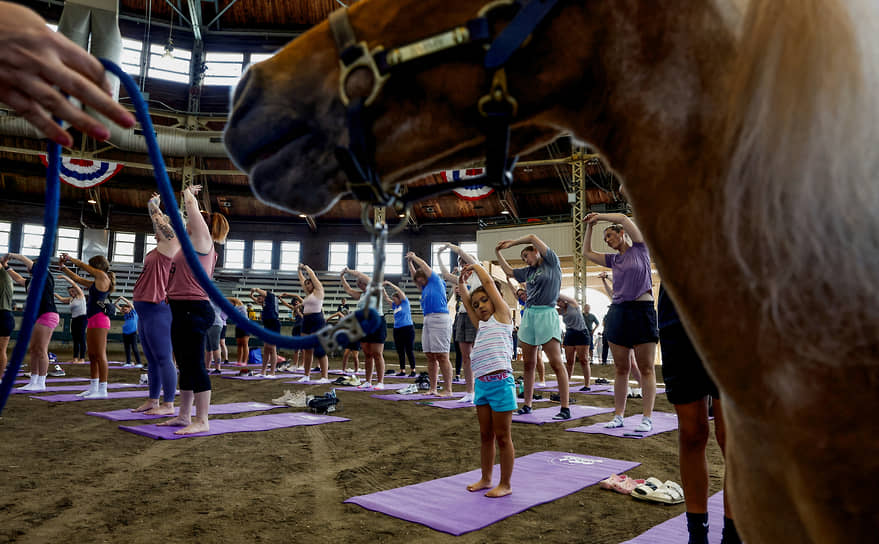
pixel 400 373
pixel 525 410
pixel 412 374
pixel 585 388
pixel 216 371
pixel 389 371
pixel 564 413
pixel 601 381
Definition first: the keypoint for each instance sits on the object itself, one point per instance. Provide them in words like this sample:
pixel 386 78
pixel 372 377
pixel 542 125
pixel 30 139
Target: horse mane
pixel 801 139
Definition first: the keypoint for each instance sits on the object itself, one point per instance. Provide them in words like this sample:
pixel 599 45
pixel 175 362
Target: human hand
pixel 591 218
pixel 602 275
pixel 34 61
pixel 194 189
pixel 410 255
pixel 504 245
pixel 63 259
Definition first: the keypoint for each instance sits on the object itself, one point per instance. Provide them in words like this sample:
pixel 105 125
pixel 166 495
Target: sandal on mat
pixel 666 493
pixel 650 485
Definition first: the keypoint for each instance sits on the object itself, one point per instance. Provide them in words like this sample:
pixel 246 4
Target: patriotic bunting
pixel 84 173
pixel 471 192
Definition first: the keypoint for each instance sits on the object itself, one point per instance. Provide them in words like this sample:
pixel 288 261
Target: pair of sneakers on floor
pixel 645 427
pixel 308 379
pixel 564 413
pixel 370 386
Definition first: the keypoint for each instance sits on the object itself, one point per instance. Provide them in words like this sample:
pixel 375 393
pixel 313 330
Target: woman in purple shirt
pixel 631 320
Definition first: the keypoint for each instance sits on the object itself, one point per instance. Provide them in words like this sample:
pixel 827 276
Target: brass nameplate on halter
pixel 428 46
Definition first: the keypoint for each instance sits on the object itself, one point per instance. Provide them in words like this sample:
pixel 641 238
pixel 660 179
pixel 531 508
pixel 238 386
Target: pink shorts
pixel 99 321
pixel 49 319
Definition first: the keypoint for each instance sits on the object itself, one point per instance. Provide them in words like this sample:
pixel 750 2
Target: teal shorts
pixel 540 324
pixel 500 395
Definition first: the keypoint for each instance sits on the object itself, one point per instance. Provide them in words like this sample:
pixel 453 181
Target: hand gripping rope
pixel 351 328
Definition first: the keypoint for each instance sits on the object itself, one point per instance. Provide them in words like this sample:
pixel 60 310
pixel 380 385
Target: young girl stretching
pixel 495 388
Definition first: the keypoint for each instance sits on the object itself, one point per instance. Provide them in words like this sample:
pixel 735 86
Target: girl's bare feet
pixel 197 426
pixel 164 409
pixel 146 406
pixel 481 484
pixel 499 491
pixel 175 422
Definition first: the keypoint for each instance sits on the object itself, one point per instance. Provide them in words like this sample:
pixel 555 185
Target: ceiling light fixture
pixel 302 215
pixel 505 212
pixel 92 201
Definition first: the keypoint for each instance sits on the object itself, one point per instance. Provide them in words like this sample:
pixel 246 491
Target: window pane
pixel 262 255
pixel 224 57
pixel 289 256
pixel 174 68
pixel 234 257
pixel 31 240
pixel 393 258
pixel 469 248
pixel 68 242
pixel 123 247
pixel 131 54
pixel 259 57
pixel 149 243
pixel 5 228
pixel 365 257
pixel 338 256
pixel 434 257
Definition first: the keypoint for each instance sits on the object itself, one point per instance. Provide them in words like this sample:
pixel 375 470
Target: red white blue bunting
pixel 471 192
pixel 84 173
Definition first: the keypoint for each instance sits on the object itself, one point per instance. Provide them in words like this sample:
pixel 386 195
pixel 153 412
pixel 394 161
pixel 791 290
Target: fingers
pixel 36 115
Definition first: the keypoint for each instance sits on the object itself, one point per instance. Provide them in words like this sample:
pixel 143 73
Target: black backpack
pixel 423 381
pixel 324 404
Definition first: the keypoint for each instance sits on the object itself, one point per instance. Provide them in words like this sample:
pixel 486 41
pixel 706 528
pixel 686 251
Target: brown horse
pixel 747 139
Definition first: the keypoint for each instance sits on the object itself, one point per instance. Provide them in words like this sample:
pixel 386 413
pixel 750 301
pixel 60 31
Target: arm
pixel 569 301
pixel 628 225
pixel 318 286
pixel 397 289
pixel 293 296
pixel 444 272
pixel 505 266
pixel 594 256
pixel 199 232
pixel 22 259
pixel 73 284
pixel 70 275
pixel 62 300
pixel 526 240
pixel 607 287
pixel 353 293
pixel 122 299
pixel 466 257
pixel 287 304
pixel 465 297
pixel 256 290
pixel 501 310
pixel 419 263
pixel 34 84
pixel 167 242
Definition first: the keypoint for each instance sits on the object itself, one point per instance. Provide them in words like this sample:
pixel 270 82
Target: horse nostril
pixel 242 87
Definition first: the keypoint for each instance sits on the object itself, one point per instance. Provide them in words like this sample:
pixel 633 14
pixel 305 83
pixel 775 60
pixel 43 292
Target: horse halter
pixel 497 107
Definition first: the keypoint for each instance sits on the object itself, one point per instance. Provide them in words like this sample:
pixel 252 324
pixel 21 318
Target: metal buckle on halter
pixel 498 96
pixel 365 60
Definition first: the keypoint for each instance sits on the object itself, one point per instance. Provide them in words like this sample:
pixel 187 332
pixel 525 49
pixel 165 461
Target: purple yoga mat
pixel 674 530
pixel 241 425
pixel 215 410
pixel 446 505
pixel 56 380
pixel 555 384
pixel 77 388
pixel 253 378
pixel 545 415
pixel 452 404
pixel 310 382
pixel 416 396
pixel 388 387
pixel 662 422
pixel 111 395
pixel 340 373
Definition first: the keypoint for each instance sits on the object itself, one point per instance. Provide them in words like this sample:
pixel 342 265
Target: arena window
pixel 290 252
pixel 172 68
pixel 469 248
pixel 234 257
pixel 262 255
pixel 123 247
pixel 31 239
pixel 223 68
pixel 338 256
pixel 5 229
pixel 149 243
pixel 394 259
pixel 365 257
pixel 131 56
pixel 68 242
pixel 434 258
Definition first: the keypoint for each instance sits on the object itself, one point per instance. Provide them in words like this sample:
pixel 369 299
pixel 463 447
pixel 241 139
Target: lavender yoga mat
pixel 446 505
pixel 56 380
pixel 215 410
pixel 545 415
pixel 77 388
pixel 662 422
pixel 251 378
pixel 388 387
pixel 416 396
pixel 452 404
pixel 241 425
pixel 310 382
pixel 111 395
pixel 674 530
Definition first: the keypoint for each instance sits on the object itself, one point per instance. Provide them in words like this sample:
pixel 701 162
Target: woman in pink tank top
pixel 192 314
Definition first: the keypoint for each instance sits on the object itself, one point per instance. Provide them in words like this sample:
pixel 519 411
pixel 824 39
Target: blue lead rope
pixel 368 320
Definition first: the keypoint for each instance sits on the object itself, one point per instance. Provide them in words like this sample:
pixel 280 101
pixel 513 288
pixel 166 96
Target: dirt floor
pixel 69 477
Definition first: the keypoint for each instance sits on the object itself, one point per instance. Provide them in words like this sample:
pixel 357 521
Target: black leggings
pixel 77 329
pixel 190 320
pixel 604 347
pixel 130 341
pixel 404 340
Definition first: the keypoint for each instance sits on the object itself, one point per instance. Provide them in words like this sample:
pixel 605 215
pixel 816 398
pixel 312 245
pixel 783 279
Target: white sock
pixel 102 388
pixel 41 381
pixel 31 382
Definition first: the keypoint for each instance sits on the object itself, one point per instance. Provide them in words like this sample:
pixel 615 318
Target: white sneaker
pixel 144 379
pixel 365 386
pixel 540 384
pixel 297 400
pixel 280 401
pixel 57 372
pixel 270 376
pixel 379 386
pixel 86 392
pixel 323 380
pixel 95 395
pixel 303 379
pixel 468 397
pixel 646 425
pixel 615 423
